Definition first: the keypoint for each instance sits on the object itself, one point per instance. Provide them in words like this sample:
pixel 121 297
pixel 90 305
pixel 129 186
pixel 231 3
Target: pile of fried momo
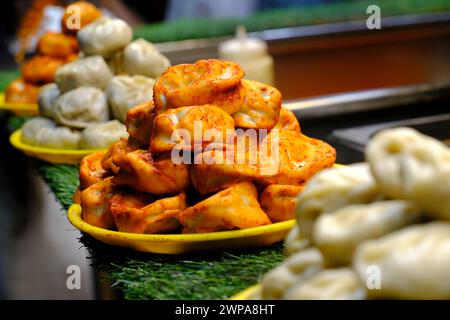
pixel 137 186
pixel 372 230
pixel 86 106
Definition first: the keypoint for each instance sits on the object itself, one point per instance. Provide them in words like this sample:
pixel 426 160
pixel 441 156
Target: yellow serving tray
pixel 184 243
pixel 246 293
pixel 70 156
pixel 20 109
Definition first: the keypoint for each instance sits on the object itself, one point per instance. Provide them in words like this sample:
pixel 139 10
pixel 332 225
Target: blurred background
pixel 319 48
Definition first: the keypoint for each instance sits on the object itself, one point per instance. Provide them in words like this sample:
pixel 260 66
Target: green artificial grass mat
pixel 282 18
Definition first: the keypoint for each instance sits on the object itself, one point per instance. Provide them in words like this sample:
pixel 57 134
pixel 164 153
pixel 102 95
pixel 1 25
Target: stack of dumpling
pixel 112 75
pixel 163 179
pixel 372 230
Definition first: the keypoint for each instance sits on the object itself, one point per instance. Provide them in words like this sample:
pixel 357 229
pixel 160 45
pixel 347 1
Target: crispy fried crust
pixel 41 69
pixel 287 121
pixel 139 122
pixel 57 45
pixel 200 83
pixel 279 201
pixel 19 91
pixel 91 169
pixel 236 207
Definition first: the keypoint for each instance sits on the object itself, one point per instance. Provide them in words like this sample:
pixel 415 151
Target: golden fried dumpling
pixel 140 122
pixel 115 157
pixel 156 176
pixel 19 91
pixel 287 121
pixel 91 169
pixel 41 69
pixel 95 204
pixel 236 207
pixel 77 15
pixel 200 83
pixel 279 201
pixel 300 157
pixel 171 127
pixel 137 213
pixel 57 45
pixel 260 107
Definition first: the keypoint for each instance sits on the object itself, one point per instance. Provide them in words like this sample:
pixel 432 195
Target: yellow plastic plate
pixel 184 243
pixel 246 293
pixel 70 156
pixel 20 109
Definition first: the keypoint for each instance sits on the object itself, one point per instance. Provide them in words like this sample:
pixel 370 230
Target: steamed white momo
pixel 125 92
pixel 46 99
pixel 43 132
pixel 330 284
pixel 81 107
pixel 337 234
pixel 104 36
pixel 410 165
pixel 413 263
pixel 294 269
pixel 295 241
pixel 332 189
pixel 102 135
pixel 90 71
pixel 141 57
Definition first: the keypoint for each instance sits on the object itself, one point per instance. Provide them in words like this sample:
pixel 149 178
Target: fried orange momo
pixel 156 176
pixel 41 69
pixel 95 204
pixel 260 108
pixel 87 13
pixel 91 169
pixel 299 158
pixel 287 121
pixel 236 207
pixel 19 91
pixel 138 213
pixel 139 122
pixel 114 159
pixel 279 201
pixel 203 82
pixel 57 45
pixel 165 133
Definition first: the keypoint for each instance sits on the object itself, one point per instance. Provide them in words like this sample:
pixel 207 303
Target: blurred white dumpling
pixel 141 57
pixel 102 135
pixel 125 92
pixel 332 189
pixel 90 71
pixel 81 107
pixel 412 263
pixel 46 99
pixel 295 241
pixel 410 165
pixel 331 284
pixel 337 234
pixel 104 36
pixel 43 132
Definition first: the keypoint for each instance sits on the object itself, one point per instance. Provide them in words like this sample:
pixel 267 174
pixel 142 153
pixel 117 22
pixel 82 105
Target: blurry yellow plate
pixel 70 156
pixel 247 293
pixel 184 243
pixel 20 109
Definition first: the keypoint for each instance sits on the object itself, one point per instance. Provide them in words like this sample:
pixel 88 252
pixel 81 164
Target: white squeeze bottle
pixel 251 54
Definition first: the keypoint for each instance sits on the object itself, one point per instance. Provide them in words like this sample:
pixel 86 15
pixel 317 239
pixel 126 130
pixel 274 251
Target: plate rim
pixel 74 216
pixel 15 106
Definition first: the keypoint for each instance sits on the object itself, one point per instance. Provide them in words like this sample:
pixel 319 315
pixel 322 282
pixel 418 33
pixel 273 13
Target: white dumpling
pixel 330 284
pixel 102 135
pixel 413 263
pixel 81 107
pixel 115 63
pixel 295 241
pixel 125 92
pixel 337 234
pixel 90 71
pixel 46 99
pixel 45 133
pixel 410 165
pixel 294 269
pixel 104 36
pixel 332 189
pixel 141 57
